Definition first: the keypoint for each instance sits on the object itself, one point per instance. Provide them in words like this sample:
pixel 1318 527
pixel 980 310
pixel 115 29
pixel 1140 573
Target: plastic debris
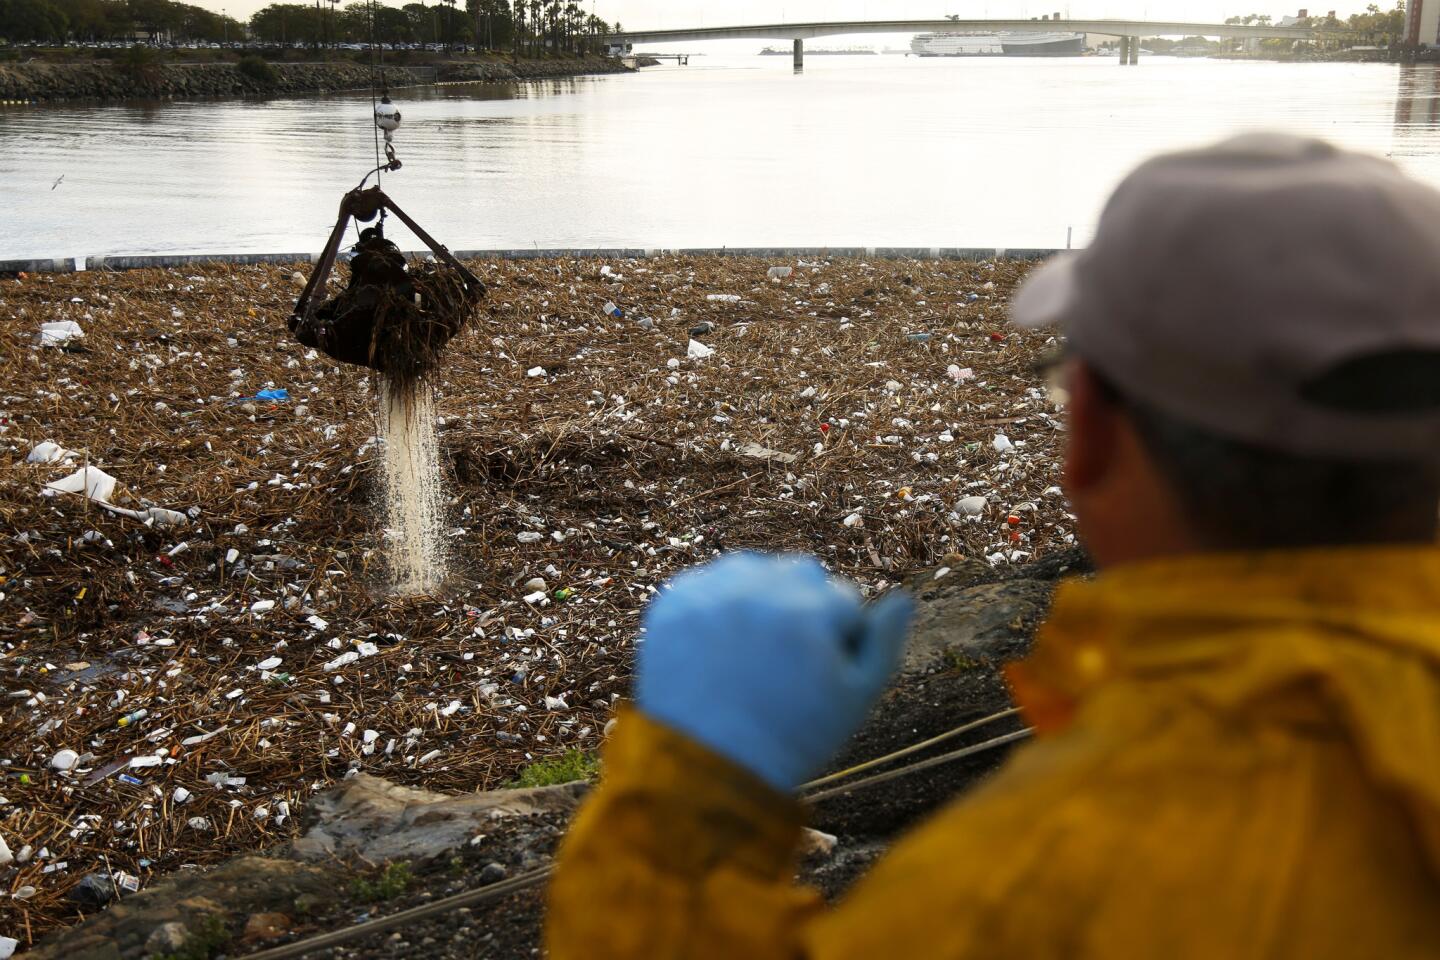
pixel 64 760
pixel 779 273
pixel 59 332
pixel 93 891
pixel 612 310
pixel 151 516
pixel 49 452
pixel 972 506
pixel 757 452
pixel 698 351
pixel 91 482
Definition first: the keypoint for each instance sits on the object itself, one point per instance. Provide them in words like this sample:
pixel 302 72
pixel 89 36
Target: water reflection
pixel 1417 107
pixel 884 151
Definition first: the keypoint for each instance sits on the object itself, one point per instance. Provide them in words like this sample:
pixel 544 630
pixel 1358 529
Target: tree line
pixel 1374 27
pixel 100 20
pixel 523 27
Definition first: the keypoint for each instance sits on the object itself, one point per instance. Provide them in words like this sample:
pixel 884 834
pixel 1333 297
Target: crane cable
pixel 536 877
pixel 377 65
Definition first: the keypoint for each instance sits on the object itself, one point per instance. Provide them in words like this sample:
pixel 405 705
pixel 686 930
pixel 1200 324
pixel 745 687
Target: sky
pixel 657 14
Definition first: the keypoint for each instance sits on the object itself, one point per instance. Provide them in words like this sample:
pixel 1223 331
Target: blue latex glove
pixel 767 661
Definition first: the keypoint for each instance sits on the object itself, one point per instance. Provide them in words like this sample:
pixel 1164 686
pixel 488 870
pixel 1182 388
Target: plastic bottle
pixel 134 717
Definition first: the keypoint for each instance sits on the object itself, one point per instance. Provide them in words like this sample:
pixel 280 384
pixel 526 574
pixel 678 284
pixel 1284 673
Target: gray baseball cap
pixel 1272 289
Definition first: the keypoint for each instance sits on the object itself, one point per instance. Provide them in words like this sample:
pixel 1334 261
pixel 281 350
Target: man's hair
pixel 1241 497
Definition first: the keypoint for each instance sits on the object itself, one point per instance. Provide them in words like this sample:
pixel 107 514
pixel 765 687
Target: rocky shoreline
pixel 50 82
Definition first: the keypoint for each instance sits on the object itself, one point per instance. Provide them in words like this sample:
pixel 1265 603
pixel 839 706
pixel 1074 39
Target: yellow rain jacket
pixel 1239 756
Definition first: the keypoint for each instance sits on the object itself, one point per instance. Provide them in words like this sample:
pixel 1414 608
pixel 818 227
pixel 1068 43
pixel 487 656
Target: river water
pixel 734 151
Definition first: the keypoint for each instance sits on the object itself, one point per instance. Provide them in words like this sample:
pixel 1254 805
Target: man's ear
pixel 1093 418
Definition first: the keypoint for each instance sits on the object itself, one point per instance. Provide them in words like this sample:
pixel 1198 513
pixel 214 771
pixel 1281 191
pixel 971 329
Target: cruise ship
pixel 1008 44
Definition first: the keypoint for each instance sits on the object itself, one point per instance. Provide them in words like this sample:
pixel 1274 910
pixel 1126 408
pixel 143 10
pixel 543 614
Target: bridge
pixel 1129 31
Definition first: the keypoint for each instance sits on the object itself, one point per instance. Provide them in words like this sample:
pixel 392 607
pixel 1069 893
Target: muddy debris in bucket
pixel 391 317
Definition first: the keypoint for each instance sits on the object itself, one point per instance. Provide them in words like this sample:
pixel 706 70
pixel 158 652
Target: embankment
pixel 49 82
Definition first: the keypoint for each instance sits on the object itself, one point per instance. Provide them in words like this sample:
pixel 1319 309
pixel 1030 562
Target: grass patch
pixel 206 939
pixel 388 884
pixel 962 662
pixel 570 765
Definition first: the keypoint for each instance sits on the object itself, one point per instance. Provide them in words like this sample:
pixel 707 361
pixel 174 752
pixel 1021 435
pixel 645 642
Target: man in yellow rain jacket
pixel 1238 750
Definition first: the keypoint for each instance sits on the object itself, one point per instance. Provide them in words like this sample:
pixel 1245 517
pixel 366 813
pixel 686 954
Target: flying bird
pixel 57 182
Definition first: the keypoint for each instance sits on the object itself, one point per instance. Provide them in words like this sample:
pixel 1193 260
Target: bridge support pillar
pixel 799 56
pixel 1124 51
pixel 1134 51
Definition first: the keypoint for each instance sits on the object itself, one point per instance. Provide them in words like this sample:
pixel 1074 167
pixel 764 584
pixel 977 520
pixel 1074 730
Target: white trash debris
pixel 346 658
pixel 5 855
pixel 1002 444
pixel 765 453
pixel 269 663
pixel 60 331
pixel 723 297
pixel 958 373
pixel 180 795
pixel 533 584
pixel 972 506
pixel 49 452
pixel 854 520
pixel 779 273
pixel 535 372
pixel 698 351
pixel 152 516
pixel 7 947
pixel 260 606
pixel 65 760
pixel 92 482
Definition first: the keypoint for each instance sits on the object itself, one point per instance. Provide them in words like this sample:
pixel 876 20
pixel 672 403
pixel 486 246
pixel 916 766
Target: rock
pixel 187 902
pixel 493 873
pixel 167 938
pixel 380 821
pixel 265 926
pixel 986 622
